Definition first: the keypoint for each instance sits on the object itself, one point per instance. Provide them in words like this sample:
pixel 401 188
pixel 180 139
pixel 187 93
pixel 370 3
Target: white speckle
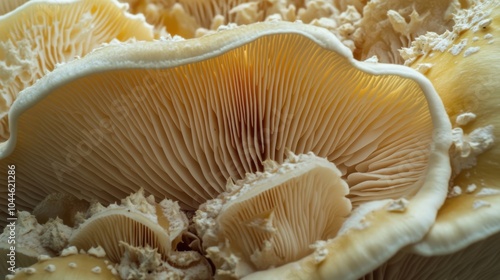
pixel 96 270
pixel 487 192
pixel 491 42
pixel 475 39
pixel 42 258
pixel 50 268
pixel 72 265
pixel 320 250
pixel 457 48
pixel 471 188
pixel 471 50
pixel 455 191
pixel 373 59
pixel 398 205
pixel 466 148
pixel 9 277
pixel 484 23
pixel 488 36
pixel 480 203
pixel 69 251
pixel 465 118
pixel 30 270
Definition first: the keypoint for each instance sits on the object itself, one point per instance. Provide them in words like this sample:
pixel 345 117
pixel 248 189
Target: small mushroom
pixel 39 35
pixel 271 218
pixel 465 63
pixel 137 221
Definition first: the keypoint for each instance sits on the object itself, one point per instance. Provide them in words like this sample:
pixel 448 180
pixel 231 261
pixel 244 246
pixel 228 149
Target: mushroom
pixel 388 26
pixel 138 222
pixel 60 205
pixel 271 218
pixel 179 117
pixel 463 65
pixel 70 265
pixel 41 34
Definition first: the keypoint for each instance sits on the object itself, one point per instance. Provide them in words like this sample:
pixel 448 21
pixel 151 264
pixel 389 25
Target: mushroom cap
pixel 138 221
pixel 39 35
pixel 74 266
pixel 179 118
pixel 464 65
pixel 271 218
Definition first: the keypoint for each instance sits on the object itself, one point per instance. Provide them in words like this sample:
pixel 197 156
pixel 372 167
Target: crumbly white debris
pixel 72 250
pixel 455 191
pixel 97 252
pixel 372 59
pixel 471 50
pixel 55 235
pixel 96 270
pixel 487 192
pixel 72 265
pixel 398 205
pixel 475 39
pixel 50 268
pixel 488 36
pixel 480 203
pixel 9 277
pixel 465 118
pixel 357 221
pixel 320 250
pixel 471 188
pixel 466 148
pixel 491 42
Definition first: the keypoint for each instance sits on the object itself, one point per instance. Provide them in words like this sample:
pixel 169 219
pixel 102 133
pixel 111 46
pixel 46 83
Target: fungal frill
pixel 138 221
pixel 40 34
pixel 271 218
pixel 463 64
pixel 70 265
pixel 178 118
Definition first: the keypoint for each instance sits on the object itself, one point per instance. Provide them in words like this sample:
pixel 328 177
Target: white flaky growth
pixel 466 148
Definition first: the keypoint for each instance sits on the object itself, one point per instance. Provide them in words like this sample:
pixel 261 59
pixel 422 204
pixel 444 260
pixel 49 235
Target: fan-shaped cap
pixel 463 65
pixel 69 266
pixel 272 218
pixel 138 221
pixel 41 34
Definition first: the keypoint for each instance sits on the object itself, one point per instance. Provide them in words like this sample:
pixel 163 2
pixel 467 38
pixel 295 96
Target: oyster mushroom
pixel 271 218
pixel 41 34
pixel 70 265
pixel 138 221
pixel 463 65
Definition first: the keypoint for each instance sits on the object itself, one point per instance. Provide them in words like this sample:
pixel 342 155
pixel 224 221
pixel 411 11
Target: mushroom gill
pixel 179 118
pixel 138 221
pixel 7 6
pixel 271 218
pixel 463 65
pixel 39 35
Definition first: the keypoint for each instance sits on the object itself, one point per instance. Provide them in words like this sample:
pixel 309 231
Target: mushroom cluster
pixel 258 139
